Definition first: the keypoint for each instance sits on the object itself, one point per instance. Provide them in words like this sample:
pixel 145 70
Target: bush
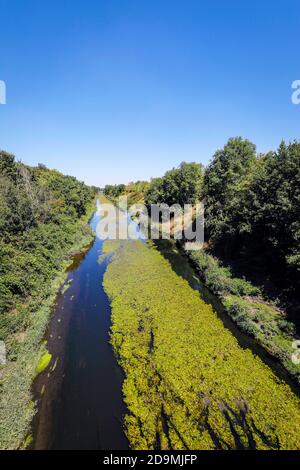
pixel 218 279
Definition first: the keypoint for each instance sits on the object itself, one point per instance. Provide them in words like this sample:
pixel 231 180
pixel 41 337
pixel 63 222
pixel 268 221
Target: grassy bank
pixel 23 330
pixel 188 383
pixel 244 304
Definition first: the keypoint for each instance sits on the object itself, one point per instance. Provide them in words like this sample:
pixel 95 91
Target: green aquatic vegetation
pixel 268 327
pixel 110 246
pixel 27 442
pixel 253 316
pixel 54 365
pixel 43 362
pixel 188 385
pixel 66 286
pixel 101 258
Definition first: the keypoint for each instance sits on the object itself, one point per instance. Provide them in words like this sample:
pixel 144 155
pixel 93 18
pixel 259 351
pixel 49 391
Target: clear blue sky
pixel 118 90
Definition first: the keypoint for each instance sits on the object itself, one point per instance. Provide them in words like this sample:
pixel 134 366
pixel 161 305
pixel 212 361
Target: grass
pixel 188 385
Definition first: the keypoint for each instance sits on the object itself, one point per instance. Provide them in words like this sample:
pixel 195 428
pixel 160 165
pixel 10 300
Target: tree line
pixel 252 204
pixel 39 214
pixel 253 207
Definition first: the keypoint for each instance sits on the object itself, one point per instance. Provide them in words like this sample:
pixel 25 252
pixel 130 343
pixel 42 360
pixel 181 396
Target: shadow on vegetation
pixel 183 267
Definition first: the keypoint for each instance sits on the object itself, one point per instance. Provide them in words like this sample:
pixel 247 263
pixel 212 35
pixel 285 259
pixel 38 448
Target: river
pixel 79 396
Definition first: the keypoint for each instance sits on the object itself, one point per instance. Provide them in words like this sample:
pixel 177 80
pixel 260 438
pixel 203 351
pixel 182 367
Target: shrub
pixel 219 279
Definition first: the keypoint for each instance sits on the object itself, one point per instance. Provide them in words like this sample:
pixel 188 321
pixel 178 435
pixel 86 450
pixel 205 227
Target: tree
pixel 182 185
pixel 226 182
pixel 8 166
pixel 114 191
pixel 39 210
pixel 273 205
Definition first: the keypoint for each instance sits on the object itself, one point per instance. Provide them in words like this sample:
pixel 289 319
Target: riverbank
pixel 245 305
pixel 189 385
pixel 26 346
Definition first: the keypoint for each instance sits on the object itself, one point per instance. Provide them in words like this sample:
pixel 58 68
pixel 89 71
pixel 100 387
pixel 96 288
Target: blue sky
pixel 118 90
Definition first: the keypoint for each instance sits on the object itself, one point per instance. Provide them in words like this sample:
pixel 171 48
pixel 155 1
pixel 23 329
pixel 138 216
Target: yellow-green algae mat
pixel 43 362
pixel 188 385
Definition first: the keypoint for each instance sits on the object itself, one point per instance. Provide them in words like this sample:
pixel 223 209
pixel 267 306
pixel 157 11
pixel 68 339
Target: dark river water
pixel 80 402
pixel 79 395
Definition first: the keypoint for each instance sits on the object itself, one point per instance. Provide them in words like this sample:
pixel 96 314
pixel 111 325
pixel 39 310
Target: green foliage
pixel 266 324
pixel 225 183
pixel 43 219
pixel 114 191
pixel 253 206
pixel 218 279
pixel 274 207
pixel 135 191
pixel 268 327
pixel 39 209
pixel 182 185
pixel 189 385
pixel 8 168
pixel 137 187
pixel 16 406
